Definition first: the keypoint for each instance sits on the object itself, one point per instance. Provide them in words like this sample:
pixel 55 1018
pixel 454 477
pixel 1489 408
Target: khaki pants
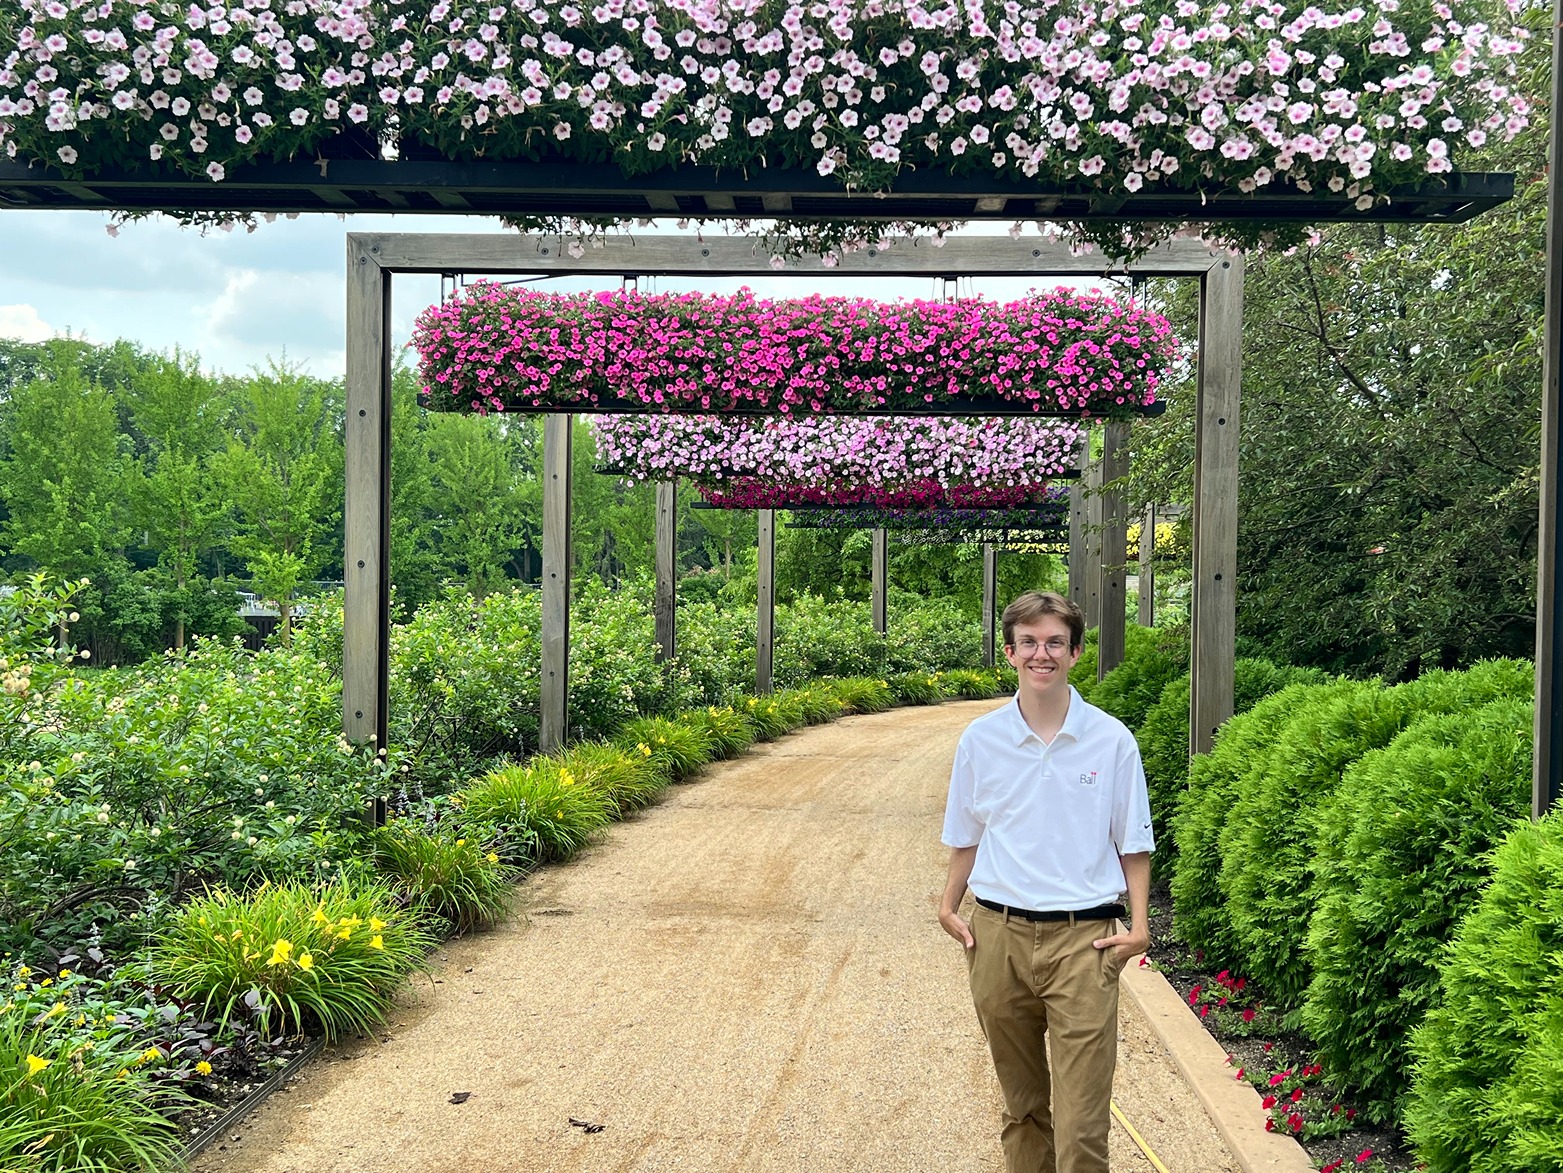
pixel 1043 980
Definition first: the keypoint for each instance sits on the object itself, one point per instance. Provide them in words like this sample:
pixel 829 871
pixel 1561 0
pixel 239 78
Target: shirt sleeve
pixel 1131 827
pixel 962 828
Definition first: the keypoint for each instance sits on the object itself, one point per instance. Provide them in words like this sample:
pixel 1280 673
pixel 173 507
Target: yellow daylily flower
pixel 492 858
pixel 35 1064
pixel 281 950
pixel 306 961
pixel 319 916
pixel 376 925
pixel 376 942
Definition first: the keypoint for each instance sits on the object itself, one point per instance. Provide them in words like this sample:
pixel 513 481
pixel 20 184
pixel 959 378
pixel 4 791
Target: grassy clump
pixel 864 694
pixel 916 688
pixel 818 703
pixel 729 731
pixel 771 716
pixel 1403 853
pixel 628 779
pixel 677 747
pixel 1487 1096
pixel 303 958
pixel 543 810
pixel 456 878
pixel 971 684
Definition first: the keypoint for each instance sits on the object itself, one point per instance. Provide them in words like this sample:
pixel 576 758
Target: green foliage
pixel 916 688
pixel 678 749
pixel 305 958
pixel 1402 851
pixel 1487 1096
pixel 1083 674
pixel 1163 735
pixel 729 731
pixel 440 872
pixel 863 695
pixel 627 778
pixel 1151 658
pixel 771 716
pixel 818 703
pixel 543 810
pixel 1216 781
pixel 971 684
pixel 1269 844
pixel 89 1110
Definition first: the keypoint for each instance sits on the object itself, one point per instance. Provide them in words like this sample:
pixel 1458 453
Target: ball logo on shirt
pixel 1088 779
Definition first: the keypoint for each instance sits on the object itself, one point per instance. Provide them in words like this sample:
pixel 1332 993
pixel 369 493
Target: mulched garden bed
pixel 1276 1060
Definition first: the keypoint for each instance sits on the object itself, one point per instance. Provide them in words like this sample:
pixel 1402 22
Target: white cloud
pixel 23 323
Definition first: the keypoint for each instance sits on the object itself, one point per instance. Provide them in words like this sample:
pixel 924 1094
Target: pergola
pixel 373 259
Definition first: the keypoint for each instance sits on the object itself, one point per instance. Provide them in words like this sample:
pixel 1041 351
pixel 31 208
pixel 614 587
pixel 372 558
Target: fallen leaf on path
pixel 586 1126
pixel 460 1097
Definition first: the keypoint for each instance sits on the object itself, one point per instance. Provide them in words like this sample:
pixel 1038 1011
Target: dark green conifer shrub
pixel 1487 1096
pixel 1402 851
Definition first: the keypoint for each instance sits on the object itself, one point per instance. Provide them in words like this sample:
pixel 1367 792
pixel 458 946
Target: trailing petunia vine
pixel 747 493
pixel 1116 96
pixel 505 348
pixel 1049 514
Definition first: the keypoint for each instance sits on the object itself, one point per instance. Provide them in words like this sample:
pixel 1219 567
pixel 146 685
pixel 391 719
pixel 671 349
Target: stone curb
pixel 1231 1104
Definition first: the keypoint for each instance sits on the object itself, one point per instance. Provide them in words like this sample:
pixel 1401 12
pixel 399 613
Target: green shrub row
pixel 1361 852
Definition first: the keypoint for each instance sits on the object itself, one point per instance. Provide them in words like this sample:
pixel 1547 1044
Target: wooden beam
pixel 765 619
pixel 557 561
pixel 1214 595
pixel 879 576
pixel 990 602
pixel 366 618
pixel 1547 767
pixel 1115 524
pixel 508 253
pixel 1077 528
pixel 666 599
pixel 1147 568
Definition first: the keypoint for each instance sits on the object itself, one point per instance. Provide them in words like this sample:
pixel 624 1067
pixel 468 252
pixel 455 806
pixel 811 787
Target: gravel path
pixel 748 976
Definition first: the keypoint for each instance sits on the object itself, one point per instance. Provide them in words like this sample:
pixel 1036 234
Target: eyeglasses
pixel 1027 646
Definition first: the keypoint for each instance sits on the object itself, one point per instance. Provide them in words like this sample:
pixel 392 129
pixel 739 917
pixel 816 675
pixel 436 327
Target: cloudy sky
pixel 239 299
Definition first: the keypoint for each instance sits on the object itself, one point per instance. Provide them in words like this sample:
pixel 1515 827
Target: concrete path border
pixel 1231 1104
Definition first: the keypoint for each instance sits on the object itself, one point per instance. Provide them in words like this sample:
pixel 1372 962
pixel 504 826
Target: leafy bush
pixel 544 812
pixel 305 958
pixel 916 688
pixel 678 748
pixel 863 695
pixel 971 684
pixel 1487 1096
pixel 818 702
pixel 1268 846
pixel 1216 781
pixel 771 716
pixel 444 874
pixel 1402 850
pixel 1151 659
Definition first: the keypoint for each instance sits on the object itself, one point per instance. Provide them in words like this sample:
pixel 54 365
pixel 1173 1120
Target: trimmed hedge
pixel 1137 642
pixel 1401 852
pixel 1134 687
pixel 1488 1092
pixel 1268 846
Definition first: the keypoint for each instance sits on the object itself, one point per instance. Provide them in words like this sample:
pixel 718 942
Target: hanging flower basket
pixel 497 348
pixel 1115 98
pixel 752 494
pixel 1051 515
pixel 834 453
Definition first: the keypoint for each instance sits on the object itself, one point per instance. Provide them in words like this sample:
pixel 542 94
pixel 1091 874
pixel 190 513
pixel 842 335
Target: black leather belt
pixel 1100 912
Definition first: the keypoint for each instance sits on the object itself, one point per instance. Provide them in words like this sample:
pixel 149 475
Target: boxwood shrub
pixel 1402 849
pixel 1487 1095
pixel 1130 690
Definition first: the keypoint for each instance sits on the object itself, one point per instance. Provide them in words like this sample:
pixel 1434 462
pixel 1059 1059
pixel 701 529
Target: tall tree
pixel 281 476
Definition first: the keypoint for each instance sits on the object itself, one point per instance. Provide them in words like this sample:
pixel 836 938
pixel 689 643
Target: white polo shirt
pixel 1048 821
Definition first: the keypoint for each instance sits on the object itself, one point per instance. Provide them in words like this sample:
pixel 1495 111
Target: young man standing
pixel 1049 823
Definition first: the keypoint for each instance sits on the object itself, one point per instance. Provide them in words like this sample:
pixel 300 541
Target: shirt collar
pixel 1073 726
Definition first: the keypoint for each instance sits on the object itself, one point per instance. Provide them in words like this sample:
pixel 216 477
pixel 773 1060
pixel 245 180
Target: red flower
pixel 1194 995
pixel 1239 1074
pixel 1278 1078
pixel 1267 1103
pixel 1333 1166
pixel 1334 1111
pixel 1241 982
pixel 1362 1157
pixel 1269 1125
pixel 1204 1011
pixel 1269 1047
pixel 1248 1015
pixel 1351 1114
pixel 1296 1121
pixel 1297 1095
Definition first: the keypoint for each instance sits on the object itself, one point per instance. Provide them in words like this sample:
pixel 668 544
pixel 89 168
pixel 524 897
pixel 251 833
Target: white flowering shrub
pixel 1108 95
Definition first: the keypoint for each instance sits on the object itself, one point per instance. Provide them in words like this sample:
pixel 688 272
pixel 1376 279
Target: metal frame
pixel 372 259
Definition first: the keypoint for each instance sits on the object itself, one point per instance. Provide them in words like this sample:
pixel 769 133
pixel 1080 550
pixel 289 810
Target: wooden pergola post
pixel 765 619
pixel 1147 568
pixel 1213 605
pixel 1547 769
pixel 1091 571
pixel 557 559
pixel 1077 534
pixel 665 603
pixel 879 575
pixel 1114 547
pixel 990 602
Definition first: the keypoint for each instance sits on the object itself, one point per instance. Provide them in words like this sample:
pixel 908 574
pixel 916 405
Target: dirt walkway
pixel 746 977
